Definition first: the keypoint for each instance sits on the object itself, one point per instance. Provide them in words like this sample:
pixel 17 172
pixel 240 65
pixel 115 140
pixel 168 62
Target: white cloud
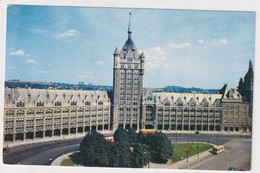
pixel 223 41
pixel 69 33
pixel 99 62
pixel 201 41
pixel 179 45
pixel 214 42
pixel 31 61
pixel 83 76
pixel 155 57
pixel 19 53
pixel 42 71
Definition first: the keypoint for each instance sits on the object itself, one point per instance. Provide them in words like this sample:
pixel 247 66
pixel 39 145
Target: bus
pixel 110 139
pixel 218 149
pixel 148 131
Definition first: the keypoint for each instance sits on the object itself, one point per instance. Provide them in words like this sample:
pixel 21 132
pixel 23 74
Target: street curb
pixel 57 161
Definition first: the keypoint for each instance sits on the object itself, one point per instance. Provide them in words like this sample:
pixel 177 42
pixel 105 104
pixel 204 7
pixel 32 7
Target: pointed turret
pixel 116 52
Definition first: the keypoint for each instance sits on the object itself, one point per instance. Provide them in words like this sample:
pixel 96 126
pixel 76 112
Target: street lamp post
pixel 187 152
pixel 217 138
pixel 176 133
pixel 198 151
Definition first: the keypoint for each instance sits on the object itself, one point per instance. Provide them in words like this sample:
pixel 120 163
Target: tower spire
pixel 129 27
pixel 250 63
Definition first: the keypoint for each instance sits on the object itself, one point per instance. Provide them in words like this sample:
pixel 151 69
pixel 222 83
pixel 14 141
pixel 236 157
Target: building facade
pixel 37 113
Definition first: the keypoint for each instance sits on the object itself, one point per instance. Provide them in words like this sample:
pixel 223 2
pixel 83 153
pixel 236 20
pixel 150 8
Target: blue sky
pixel 187 48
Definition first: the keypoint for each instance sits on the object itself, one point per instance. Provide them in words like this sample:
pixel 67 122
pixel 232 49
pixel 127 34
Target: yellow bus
pixel 218 149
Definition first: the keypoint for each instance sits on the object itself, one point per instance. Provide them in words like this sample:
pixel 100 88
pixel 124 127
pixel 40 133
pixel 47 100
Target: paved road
pixel 218 139
pixel 237 154
pixel 39 154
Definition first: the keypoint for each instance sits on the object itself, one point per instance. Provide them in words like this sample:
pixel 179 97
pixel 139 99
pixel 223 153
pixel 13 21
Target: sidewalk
pixel 208 132
pixel 183 163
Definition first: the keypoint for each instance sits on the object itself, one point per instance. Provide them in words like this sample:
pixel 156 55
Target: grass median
pixel 180 149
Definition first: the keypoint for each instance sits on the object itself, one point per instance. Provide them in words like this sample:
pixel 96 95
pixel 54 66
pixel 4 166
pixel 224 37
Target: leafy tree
pixel 121 154
pixel 95 150
pixel 149 140
pixel 120 135
pixel 141 138
pixel 140 155
pixel 132 136
pixel 161 148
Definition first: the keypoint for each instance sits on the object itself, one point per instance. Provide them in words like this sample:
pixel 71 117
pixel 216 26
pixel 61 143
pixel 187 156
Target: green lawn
pixel 73 160
pixel 180 149
pixel 67 162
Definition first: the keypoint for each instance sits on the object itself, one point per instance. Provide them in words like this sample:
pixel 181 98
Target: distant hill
pixel 55 85
pixel 82 86
pixel 180 89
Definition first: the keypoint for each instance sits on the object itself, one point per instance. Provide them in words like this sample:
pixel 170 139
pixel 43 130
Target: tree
pixel 161 148
pixel 121 154
pixel 120 135
pixel 132 136
pixel 95 150
pixel 141 138
pixel 140 155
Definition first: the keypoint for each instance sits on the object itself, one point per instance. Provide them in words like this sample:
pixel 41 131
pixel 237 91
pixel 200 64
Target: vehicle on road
pixel 6 150
pixel 218 149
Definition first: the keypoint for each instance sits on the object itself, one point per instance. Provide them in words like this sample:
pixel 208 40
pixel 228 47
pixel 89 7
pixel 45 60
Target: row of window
pixel 57 103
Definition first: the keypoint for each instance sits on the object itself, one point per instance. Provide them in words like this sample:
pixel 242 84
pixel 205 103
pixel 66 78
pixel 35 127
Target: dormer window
pixel 87 103
pixel 73 103
pixel 20 104
pixel 39 104
pixel 57 103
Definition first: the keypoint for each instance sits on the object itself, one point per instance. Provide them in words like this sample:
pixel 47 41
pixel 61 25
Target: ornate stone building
pixel 31 113
pixel 224 111
pixel 127 85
